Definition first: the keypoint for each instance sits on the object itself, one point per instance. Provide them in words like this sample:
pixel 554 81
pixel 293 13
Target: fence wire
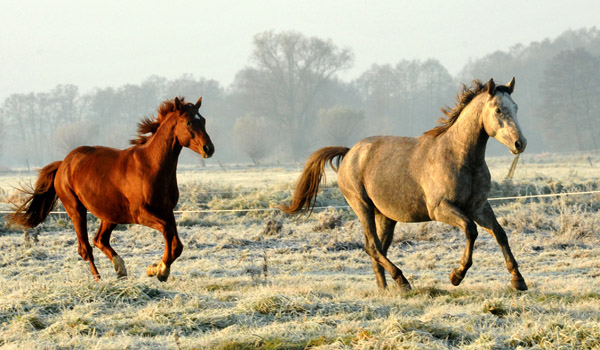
pixel 246 210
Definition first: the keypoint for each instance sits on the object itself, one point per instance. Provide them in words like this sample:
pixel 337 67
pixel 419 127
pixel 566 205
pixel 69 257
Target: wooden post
pixel 513 166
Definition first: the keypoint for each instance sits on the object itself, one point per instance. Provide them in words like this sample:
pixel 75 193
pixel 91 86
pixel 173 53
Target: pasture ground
pixel 240 286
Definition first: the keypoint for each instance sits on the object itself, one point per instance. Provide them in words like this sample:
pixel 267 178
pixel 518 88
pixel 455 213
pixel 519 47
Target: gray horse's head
pixel 499 115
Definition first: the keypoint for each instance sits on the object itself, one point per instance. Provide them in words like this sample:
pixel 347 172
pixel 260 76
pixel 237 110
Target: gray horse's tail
pixel 305 194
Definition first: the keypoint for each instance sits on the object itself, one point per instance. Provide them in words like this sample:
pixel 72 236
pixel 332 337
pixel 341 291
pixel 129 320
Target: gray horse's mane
pixel 463 99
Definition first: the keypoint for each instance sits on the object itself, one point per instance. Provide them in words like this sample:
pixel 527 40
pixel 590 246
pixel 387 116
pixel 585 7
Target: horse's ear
pixel 177 104
pixel 511 86
pixel 199 103
pixel 491 87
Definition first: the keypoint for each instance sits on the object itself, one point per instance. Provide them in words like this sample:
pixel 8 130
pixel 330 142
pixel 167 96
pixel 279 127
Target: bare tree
pixel 288 71
pixel 253 137
pixel 570 105
pixel 2 132
pixel 340 125
pixel 65 104
pixel 405 98
pixel 70 136
pixel 378 87
pixel 24 114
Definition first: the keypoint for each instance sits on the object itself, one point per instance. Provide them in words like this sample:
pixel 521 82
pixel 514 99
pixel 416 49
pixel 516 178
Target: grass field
pixel 239 285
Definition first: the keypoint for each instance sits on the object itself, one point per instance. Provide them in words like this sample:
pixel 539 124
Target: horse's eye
pixel 498 110
pixel 189 122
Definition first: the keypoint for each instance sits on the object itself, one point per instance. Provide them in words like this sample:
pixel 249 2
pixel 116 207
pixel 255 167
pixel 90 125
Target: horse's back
pixel 95 176
pixel 384 170
pixel 92 161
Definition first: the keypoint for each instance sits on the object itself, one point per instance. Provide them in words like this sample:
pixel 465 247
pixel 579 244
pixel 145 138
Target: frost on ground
pixel 239 285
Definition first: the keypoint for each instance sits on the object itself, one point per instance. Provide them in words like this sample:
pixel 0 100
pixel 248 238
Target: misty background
pixel 279 81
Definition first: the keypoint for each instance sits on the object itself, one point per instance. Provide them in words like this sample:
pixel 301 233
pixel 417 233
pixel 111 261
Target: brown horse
pixel 137 185
pixel 440 176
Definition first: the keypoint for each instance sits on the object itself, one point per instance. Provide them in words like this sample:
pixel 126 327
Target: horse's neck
pixel 162 149
pixel 467 137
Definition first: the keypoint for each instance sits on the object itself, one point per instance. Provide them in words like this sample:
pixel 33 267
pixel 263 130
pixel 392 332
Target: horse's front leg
pixel 448 213
pixel 173 248
pixel 485 218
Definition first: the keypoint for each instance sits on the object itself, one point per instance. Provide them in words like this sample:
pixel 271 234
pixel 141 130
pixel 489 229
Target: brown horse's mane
pixel 463 99
pixel 149 125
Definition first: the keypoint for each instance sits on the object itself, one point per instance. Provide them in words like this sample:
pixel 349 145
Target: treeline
pixel 289 101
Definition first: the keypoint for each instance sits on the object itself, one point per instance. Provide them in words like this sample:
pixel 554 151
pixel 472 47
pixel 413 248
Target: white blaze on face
pixel 509 108
pixel 502 123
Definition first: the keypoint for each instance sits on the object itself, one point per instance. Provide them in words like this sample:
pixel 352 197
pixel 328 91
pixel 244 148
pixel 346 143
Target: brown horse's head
pixel 499 115
pixel 191 128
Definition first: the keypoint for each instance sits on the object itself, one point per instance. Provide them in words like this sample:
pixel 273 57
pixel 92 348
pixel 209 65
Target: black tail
pixel 41 199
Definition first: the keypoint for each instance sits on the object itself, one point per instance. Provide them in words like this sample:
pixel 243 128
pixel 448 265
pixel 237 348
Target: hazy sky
pixel 111 43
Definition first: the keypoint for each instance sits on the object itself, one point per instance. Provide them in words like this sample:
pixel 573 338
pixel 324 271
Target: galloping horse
pixel 137 185
pixel 441 175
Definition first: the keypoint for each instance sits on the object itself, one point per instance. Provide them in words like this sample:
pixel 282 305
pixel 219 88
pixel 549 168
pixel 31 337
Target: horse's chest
pixel 468 187
pixel 163 195
pixel 459 186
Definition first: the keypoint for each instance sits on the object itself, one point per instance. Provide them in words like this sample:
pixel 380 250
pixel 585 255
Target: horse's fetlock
pixel 513 267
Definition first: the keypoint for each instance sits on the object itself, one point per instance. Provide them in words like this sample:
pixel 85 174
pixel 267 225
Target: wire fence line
pixel 247 210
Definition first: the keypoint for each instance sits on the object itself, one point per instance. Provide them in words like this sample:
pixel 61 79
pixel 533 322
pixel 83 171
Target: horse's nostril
pixel 207 149
pixel 518 145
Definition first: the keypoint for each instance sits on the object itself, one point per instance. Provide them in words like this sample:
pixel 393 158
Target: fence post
pixel 513 166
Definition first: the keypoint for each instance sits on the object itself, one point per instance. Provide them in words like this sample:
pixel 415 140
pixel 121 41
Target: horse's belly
pixel 402 208
pixel 115 215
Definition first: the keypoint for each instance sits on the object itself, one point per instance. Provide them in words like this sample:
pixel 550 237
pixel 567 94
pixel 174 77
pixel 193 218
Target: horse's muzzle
pixel 519 146
pixel 208 150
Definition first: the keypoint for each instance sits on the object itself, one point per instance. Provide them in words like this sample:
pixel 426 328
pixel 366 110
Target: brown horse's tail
pixel 40 199
pixel 305 194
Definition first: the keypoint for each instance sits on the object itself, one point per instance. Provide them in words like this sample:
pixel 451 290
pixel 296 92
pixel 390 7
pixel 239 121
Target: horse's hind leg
pixel 448 213
pixel 486 218
pixel 78 214
pixel 385 232
pixel 373 245
pixel 102 241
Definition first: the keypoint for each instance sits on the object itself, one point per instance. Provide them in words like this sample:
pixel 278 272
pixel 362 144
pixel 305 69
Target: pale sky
pixel 112 43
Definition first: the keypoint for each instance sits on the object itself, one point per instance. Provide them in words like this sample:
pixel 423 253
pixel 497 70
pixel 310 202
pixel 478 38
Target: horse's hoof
pixel 405 287
pixel 151 271
pixel 160 270
pixel 163 277
pixel 119 265
pixel 519 284
pixel 403 284
pixel 455 278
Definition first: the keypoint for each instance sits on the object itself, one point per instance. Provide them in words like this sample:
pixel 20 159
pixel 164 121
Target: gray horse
pixel 441 175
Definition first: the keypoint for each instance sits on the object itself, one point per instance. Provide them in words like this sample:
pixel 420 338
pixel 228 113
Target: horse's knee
pixel 371 249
